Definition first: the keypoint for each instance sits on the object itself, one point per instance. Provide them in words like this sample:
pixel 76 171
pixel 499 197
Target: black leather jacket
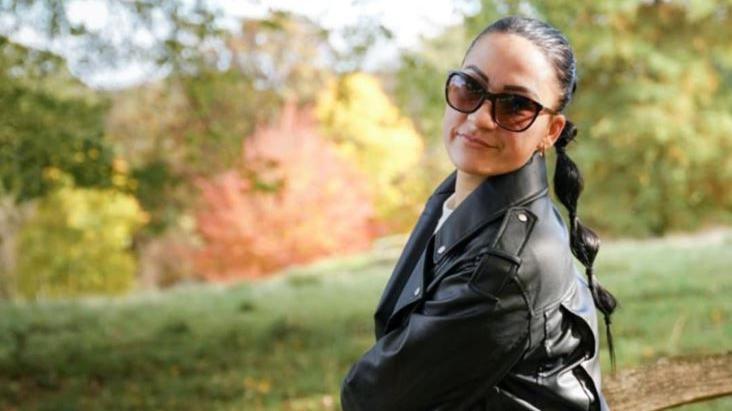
pixel 489 313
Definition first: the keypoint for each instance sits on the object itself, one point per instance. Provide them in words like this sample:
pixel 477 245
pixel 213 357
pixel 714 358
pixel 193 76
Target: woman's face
pixel 512 64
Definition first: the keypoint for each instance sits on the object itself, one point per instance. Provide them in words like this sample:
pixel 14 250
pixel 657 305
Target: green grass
pixel 285 343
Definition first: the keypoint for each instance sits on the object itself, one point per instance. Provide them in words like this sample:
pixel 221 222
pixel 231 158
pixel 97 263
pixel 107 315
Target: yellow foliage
pixel 370 132
pixel 78 242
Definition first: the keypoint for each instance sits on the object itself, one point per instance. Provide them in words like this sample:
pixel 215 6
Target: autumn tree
pixel 48 120
pixel 369 131
pixel 78 242
pixel 652 105
pixel 291 199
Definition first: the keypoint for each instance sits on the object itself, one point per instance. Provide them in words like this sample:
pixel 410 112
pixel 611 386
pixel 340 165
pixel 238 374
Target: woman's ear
pixel 556 125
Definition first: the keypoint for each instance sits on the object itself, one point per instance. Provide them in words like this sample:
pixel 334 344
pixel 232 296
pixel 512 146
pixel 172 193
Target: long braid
pixel 568 185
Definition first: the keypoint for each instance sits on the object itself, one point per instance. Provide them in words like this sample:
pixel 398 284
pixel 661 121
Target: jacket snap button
pixel 416 292
pixel 522 217
pixel 441 249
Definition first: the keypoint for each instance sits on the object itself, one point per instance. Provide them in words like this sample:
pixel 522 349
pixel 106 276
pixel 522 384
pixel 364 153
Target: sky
pixel 408 20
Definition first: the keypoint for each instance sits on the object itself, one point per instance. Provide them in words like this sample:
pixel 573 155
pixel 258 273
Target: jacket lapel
pixel 412 253
pixel 486 203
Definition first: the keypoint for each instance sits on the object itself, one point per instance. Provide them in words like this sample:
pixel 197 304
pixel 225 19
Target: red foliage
pixel 320 207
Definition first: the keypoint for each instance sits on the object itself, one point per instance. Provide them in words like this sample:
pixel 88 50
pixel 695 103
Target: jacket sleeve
pixel 451 350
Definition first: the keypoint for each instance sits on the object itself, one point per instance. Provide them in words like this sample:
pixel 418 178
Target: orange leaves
pixel 292 200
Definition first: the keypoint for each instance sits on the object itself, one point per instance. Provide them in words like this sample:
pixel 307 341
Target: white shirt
pixel 446 211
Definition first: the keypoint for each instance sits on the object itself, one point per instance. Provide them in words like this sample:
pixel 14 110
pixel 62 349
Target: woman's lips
pixel 473 141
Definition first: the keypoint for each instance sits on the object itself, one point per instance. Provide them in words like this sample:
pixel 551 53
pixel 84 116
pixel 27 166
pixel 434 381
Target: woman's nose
pixel 482 117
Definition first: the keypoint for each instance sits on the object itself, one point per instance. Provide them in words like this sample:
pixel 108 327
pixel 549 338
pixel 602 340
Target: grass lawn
pixel 286 342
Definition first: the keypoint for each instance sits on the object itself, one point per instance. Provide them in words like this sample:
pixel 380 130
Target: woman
pixel 485 309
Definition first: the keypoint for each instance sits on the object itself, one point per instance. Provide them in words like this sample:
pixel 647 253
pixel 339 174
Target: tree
pixel 171 35
pixel 652 105
pixel 292 199
pixel 198 120
pixel 49 120
pixel 369 131
pixel 78 242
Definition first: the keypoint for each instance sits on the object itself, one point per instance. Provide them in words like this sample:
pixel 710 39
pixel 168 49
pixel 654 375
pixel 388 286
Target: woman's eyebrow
pixel 478 72
pixel 507 87
pixel 521 89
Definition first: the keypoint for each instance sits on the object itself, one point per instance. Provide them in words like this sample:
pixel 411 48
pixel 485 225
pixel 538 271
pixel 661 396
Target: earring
pixel 542 149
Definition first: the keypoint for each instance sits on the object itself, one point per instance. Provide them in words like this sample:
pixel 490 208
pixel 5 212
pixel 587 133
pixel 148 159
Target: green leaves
pixel 78 243
pixel 47 120
pixel 653 105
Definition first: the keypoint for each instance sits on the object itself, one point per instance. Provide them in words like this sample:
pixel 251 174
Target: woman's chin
pixel 475 169
pixel 472 166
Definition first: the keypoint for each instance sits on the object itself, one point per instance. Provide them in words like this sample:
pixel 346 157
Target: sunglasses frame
pixel 487 95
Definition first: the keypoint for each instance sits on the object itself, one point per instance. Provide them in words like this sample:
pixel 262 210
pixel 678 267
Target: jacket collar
pixel 487 202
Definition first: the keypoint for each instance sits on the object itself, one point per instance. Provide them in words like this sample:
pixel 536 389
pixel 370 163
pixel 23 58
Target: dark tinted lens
pixel 463 93
pixel 515 112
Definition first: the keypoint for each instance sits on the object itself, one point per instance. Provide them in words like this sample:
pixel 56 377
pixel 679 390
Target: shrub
pixel 78 243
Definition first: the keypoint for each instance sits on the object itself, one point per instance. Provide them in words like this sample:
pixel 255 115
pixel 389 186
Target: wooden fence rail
pixel 670 382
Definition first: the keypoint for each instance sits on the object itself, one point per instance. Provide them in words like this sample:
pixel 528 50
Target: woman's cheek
pixel 450 121
pixel 446 129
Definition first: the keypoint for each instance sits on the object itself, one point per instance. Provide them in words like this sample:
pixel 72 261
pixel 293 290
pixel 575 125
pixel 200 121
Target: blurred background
pixel 201 201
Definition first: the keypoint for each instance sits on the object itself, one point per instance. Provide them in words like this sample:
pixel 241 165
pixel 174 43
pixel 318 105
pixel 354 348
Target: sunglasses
pixel 512 112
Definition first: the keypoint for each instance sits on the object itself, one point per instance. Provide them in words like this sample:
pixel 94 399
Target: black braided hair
pixel 568 185
pixel 568 181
